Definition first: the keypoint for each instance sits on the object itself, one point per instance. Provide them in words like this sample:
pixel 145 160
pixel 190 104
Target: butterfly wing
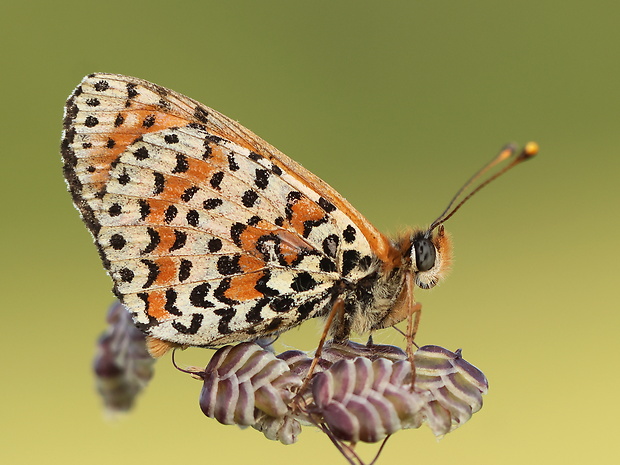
pixel 210 234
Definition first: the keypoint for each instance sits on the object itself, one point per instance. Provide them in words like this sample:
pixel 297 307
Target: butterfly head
pixel 430 251
pixel 430 256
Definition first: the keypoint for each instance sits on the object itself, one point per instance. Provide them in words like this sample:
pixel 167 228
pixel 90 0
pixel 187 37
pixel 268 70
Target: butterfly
pixel 212 236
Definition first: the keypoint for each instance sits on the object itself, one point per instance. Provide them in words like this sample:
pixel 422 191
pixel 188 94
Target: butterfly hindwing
pixel 210 234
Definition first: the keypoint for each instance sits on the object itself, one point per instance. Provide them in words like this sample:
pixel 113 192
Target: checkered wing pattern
pixel 210 234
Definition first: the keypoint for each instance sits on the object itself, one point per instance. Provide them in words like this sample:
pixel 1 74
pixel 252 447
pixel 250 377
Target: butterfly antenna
pixel 507 153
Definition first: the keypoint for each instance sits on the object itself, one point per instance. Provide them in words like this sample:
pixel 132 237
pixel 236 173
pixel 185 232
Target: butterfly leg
pixel 413 321
pixel 337 311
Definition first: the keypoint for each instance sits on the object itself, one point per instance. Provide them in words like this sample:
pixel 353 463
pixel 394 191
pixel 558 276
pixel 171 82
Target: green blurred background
pixel 394 104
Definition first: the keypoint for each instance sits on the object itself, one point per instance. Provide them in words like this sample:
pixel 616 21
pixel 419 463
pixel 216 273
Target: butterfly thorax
pixel 382 298
pixel 371 300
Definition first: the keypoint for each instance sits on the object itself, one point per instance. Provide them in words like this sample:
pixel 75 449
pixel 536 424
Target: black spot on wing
pixel 117 241
pixel 249 198
pixel 180 238
pixel 120 119
pixel 220 292
pixel 197 126
pixel 254 220
pixel 282 304
pixel 171 138
pixel 153 273
pixel 194 326
pixel 255 156
pixel 171 298
pixel 232 163
pixel 124 179
pixel 198 297
pixel 303 282
pixel 326 205
pixel 131 90
pixel 213 138
pixel 226 314
pixel 141 153
pixel 170 214
pixel 328 266
pixel 214 245
pixel 159 183
pixel 155 239
pixel 101 86
pixel 211 204
pixel 349 234
pixel 228 265
pixel 263 287
pixel 201 114
pixel 182 164
pixel 350 259
pixel 235 233
pixel 148 121
pixel 126 275
pixel 91 121
pixel 254 315
pixel 145 209
pixel 192 218
pixel 189 193
pixel 262 178
pixel 115 210
pixel 185 269
pixel 216 180
pixel 275 169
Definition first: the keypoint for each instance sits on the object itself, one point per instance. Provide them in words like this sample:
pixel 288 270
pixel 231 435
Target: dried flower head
pixel 123 366
pixel 358 393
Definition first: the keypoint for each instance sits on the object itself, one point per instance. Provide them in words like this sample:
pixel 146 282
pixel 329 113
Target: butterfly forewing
pixel 210 234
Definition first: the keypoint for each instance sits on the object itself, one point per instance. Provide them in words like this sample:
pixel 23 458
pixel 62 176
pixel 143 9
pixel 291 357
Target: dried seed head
pixel 245 381
pixel 284 429
pixel 123 366
pixel 366 401
pixel 456 386
pixel 358 392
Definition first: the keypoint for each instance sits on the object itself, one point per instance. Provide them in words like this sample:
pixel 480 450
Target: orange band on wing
pixel 243 287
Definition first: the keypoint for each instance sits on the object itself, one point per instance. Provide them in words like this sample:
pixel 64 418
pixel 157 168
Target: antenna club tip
pixel 507 151
pixel 530 149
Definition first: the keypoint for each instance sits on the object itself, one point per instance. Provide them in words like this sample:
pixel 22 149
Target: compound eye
pixel 424 254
